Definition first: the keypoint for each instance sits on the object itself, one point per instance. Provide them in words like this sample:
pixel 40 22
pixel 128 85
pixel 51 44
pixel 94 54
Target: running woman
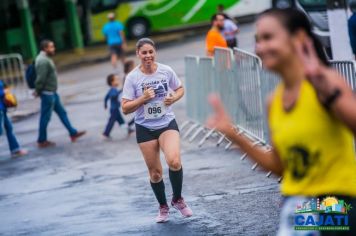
pixel 311 116
pixel 150 90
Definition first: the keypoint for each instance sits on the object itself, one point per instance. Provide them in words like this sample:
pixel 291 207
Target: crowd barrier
pixel 12 73
pixel 346 69
pixel 243 85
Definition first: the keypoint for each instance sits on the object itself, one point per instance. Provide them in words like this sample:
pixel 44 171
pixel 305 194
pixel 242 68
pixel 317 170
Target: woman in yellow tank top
pixel 312 121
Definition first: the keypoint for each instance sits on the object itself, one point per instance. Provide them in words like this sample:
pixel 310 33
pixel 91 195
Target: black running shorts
pixel 144 134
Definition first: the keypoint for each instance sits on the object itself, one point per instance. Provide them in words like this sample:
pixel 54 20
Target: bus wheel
pixel 138 28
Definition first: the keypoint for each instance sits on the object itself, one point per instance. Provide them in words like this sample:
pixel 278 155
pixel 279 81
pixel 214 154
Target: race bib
pixel 154 110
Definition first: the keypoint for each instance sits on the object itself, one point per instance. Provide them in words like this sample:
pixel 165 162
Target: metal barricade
pixel 346 69
pixel 250 107
pixel 191 86
pixel 206 86
pixel 243 85
pixel 225 82
pixel 12 72
pixel 269 81
pixel 224 74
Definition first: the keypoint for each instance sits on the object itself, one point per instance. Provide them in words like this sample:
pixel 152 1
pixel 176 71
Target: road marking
pixel 194 10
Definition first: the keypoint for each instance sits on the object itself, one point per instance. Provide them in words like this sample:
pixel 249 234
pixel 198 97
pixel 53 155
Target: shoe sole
pixel 43 147
pixel 78 137
pixel 163 221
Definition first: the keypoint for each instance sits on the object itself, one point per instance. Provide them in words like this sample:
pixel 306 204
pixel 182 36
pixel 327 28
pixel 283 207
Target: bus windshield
pixel 312 3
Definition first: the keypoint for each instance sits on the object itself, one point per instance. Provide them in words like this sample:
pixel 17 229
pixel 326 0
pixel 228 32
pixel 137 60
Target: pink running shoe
pixel 163 214
pixel 182 207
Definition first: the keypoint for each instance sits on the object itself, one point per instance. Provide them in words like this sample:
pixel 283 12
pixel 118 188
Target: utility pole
pixel 75 31
pixel 26 25
pixel 339 38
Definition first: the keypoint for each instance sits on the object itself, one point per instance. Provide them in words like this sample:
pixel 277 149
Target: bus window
pixel 313 5
pixel 312 2
pixel 103 5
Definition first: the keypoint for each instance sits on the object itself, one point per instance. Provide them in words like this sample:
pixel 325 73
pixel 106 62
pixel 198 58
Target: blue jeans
pixel 115 115
pixel 6 122
pixel 50 103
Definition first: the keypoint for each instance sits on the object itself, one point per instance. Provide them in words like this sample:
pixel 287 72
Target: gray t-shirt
pixel 162 81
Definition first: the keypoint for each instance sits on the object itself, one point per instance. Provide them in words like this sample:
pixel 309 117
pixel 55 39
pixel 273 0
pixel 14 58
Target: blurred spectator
pixel 352 27
pixel 221 10
pixel 115 38
pixel 113 95
pixel 214 37
pixel 230 28
pixel 5 122
pixel 46 87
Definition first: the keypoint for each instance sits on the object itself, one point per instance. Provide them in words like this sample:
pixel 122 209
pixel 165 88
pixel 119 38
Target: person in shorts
pixel 149 91
pixel 116 40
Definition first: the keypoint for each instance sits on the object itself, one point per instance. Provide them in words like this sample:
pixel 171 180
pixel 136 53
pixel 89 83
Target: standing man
pixel 214 37
pixel 46 87
pixel 115 38
pixel 230 28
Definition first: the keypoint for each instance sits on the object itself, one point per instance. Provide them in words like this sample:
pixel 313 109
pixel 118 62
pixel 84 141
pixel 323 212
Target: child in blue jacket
pixel 113 95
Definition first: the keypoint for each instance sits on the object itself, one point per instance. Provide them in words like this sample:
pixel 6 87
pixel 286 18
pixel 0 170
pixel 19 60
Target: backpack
pixel 10 99
pixel 31 76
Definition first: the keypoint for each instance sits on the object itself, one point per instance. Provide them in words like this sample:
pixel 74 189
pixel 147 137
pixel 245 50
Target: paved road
pixel 94 187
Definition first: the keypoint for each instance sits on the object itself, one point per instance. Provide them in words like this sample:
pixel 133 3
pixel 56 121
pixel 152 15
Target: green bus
pixel 142 17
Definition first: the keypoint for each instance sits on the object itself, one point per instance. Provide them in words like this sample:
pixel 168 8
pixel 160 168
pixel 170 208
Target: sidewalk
pixel 70 60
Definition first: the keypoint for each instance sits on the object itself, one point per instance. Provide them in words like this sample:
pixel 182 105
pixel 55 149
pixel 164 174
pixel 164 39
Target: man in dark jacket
pixel 46 87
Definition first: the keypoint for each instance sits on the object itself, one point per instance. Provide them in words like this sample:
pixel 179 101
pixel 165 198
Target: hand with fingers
pixel 148 93
pixel 320 76
pixel 169 99
pixel 219 120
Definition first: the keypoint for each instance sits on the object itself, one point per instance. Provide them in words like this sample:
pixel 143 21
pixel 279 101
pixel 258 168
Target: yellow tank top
pixel 316 148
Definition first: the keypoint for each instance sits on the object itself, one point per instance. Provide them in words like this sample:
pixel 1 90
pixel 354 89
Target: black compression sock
pixel 176 178
pixel 159 191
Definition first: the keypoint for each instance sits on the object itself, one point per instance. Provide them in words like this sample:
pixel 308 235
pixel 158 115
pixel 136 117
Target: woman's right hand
pixel 219 120
pixel 148 94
